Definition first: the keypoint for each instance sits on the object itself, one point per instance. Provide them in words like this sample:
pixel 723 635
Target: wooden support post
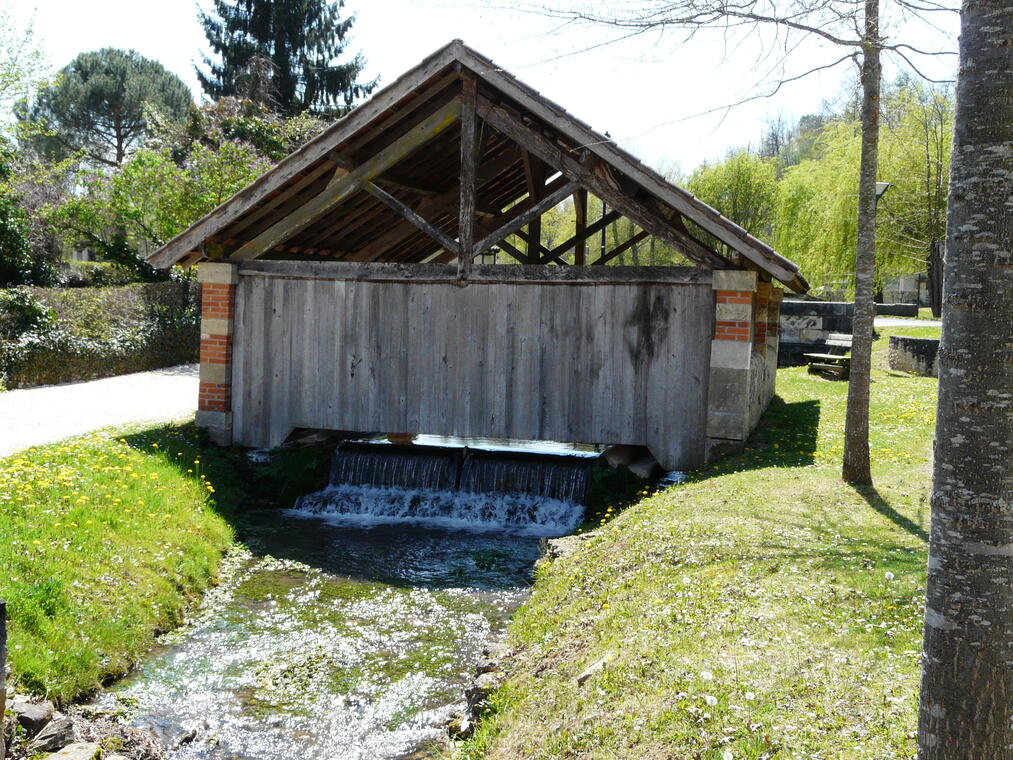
pixel 534 175
pixel 469 170
pixel 580 229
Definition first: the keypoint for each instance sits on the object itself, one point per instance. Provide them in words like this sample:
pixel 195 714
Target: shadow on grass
pixel 786 436
pixel 875 500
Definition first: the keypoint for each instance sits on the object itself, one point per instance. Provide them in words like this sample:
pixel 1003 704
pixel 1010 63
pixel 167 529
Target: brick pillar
pixel 218 300
pixel 728 408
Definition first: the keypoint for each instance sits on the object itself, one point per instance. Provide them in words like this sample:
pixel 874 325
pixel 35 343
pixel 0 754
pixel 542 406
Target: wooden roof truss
pixel 454 158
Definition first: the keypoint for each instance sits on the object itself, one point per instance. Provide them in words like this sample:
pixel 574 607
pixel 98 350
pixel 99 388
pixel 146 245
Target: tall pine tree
pixel 283 54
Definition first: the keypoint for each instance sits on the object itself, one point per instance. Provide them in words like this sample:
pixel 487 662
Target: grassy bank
pixel 105 541
pixel 762 610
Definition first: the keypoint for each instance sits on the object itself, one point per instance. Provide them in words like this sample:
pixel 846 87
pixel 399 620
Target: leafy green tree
pixel 127 214
pixel 742 187
pixel 283 54
pixel 98 105
pixel 17 264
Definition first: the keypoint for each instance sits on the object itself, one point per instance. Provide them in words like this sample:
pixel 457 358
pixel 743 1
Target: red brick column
pixel 218 302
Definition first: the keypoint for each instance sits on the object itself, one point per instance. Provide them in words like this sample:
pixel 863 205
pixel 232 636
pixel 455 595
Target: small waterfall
pixel 363 464
pixel 452 488
pixel 558 477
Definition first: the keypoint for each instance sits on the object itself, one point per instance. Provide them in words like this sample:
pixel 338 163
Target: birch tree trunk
pixel 966 706
pixel 855 468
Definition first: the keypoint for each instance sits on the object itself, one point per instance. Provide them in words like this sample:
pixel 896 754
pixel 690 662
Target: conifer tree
pixel 283 54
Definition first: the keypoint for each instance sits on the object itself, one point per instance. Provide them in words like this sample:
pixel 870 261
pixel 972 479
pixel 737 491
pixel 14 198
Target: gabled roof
pixel 337 196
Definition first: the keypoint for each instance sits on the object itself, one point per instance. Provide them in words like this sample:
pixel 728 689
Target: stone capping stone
pixel 734 279
pixel 218 273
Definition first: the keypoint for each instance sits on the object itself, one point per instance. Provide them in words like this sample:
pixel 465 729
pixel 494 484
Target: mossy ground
pixel 765 609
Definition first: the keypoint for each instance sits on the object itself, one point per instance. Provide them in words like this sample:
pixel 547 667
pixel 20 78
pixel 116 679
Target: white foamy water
pixel 365 505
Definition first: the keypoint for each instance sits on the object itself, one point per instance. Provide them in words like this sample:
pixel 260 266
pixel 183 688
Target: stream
pixel 355 627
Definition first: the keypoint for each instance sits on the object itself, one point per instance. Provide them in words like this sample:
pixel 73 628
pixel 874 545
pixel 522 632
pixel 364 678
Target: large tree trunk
pixel 856 424
pixel 967 672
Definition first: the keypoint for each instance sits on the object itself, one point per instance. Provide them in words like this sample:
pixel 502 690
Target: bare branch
pixel 777 87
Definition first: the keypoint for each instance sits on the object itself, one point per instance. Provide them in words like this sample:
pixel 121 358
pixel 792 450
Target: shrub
pixel 98 274
pixel 100 332
pixel 22 312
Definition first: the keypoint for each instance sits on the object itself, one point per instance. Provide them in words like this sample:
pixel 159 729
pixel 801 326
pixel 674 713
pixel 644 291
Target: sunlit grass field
pixel 102 544
pixel 764 609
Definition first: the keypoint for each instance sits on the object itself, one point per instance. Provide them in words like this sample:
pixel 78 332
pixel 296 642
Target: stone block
pixel 733 312
pixel 218 273
pixel 215 326
pixel 919 356
pixel 57 734
pixel 32 716
pixel 729 390
pixel 731 354
pixel 727 425
pixel 733 279
pixel 78 751
pixel 217 424
pixel 215 373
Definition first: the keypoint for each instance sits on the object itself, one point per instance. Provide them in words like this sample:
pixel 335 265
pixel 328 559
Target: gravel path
pixel 33 416
pixel 907 322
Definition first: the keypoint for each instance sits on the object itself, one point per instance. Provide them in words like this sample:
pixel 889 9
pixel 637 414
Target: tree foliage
pixel 23 65
pixel 743 187
pixel 282 54
pixel 183 172
pixel 98 105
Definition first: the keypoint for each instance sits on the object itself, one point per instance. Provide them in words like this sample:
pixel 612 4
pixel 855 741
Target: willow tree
pixel 853 30
pixel 816 209
pixel 966 708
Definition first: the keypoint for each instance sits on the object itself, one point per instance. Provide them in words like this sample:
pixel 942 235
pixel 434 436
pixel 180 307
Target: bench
pixel 837 362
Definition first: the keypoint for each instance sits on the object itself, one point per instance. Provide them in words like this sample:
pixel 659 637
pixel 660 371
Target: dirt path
pixel 33 416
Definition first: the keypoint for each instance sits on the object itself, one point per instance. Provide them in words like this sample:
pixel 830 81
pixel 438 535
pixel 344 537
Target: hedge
pixel 88 333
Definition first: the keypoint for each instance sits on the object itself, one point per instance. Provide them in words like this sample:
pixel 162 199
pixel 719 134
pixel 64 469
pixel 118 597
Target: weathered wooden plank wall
pixel 602 355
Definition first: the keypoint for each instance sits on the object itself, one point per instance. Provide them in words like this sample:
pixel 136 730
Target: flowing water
pixel 353 632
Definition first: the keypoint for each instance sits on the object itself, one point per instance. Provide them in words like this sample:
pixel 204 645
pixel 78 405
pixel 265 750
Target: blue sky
pixel 642 91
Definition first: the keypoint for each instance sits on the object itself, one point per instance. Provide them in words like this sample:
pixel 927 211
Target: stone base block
pixel 218 426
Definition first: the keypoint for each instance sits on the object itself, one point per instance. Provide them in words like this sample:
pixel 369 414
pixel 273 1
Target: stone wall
pixel 805 326
pixel 919 356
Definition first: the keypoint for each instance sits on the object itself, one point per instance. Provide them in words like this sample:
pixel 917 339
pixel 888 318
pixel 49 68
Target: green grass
pixel 764 609
pixel 104 543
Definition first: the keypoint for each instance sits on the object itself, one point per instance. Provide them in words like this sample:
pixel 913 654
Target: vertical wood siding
pixel 591 362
